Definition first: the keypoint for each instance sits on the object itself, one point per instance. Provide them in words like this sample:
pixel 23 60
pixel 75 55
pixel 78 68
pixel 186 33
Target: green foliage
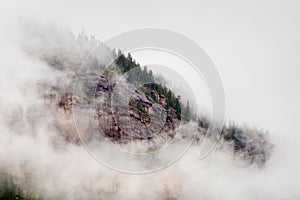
pixel 134 72
pixel 140 107
pixel 9 190
pixel 109 72
pixel 125 63
pixel 186 114
pixel 136 75
pixel 155 90
pixel 131 103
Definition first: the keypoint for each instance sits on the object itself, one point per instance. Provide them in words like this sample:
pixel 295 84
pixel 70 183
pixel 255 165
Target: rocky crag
pixel 124 110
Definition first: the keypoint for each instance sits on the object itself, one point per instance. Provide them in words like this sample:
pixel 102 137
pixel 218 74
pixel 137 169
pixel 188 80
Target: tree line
pixel 136 75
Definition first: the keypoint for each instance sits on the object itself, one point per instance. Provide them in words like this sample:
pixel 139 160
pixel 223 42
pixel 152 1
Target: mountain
pixel 125 100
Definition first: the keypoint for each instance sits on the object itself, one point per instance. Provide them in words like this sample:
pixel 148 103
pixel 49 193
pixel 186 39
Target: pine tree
pixel 187 113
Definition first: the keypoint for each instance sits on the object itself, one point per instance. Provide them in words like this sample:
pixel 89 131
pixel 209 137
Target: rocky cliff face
pixel 121 111
pixel 117 119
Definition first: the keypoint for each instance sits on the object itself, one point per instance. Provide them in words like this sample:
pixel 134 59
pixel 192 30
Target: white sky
pixel 255 45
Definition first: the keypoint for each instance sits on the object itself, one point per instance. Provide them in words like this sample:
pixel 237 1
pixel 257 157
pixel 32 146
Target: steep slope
pixel 125 106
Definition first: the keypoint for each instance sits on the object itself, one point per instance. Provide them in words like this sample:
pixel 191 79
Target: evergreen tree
pixel 186 116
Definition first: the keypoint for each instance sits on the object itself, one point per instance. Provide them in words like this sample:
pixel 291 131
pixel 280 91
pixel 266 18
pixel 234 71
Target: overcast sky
pixel 255 45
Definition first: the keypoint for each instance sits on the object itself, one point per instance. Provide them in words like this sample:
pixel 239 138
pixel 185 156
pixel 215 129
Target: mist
pixel 32 145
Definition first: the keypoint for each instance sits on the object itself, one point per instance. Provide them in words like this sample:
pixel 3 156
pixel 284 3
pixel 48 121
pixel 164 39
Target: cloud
pixel 31 142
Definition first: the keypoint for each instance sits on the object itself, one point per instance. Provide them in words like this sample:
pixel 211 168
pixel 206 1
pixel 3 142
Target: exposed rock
pixel 109 96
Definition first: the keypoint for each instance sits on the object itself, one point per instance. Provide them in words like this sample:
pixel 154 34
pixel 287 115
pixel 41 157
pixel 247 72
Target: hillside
pixel 147 110
pixel 107 101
